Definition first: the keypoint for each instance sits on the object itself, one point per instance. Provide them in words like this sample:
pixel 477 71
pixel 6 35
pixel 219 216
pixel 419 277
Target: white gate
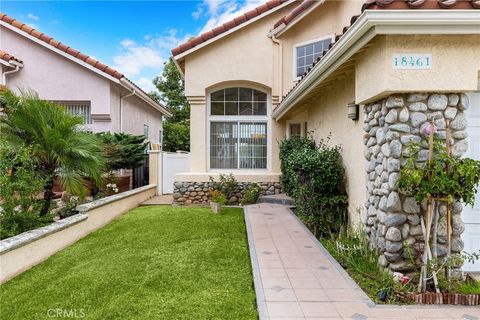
pixel 471 216
pixel 172 164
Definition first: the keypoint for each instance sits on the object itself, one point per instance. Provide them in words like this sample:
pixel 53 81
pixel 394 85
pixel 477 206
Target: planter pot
pixel 445 298
pixel 216 207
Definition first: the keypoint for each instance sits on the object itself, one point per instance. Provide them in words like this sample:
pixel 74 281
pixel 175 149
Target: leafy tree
pixel 172 93
pixel 122 150
pixel 58 146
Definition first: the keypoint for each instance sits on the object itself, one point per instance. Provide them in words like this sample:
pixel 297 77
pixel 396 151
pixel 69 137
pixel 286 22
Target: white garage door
pixel 471 216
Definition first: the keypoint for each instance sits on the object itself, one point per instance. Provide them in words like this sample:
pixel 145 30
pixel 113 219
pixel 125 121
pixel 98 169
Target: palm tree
pixel 59 146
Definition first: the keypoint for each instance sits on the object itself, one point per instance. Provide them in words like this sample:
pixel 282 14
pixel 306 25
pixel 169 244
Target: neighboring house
pixel 292 67
pixel 106 99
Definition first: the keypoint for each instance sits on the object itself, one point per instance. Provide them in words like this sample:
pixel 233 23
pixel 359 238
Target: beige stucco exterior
pixel 455 65
pixel 58 78
pixel 250 56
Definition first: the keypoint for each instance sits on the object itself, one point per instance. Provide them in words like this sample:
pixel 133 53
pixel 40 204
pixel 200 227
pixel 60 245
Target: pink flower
pixel 430 128
pixel 405 279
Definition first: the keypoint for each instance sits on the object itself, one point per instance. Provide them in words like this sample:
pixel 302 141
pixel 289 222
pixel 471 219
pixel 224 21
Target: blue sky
pixel 135 37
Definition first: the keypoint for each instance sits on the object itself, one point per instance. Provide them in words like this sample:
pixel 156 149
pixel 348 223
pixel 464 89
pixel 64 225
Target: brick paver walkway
pixel 296 278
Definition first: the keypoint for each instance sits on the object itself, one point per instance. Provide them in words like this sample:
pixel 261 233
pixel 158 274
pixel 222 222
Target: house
pixel 106 99
pixel 370 74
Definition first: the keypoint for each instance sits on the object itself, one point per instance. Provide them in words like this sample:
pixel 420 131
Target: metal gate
pixel 140 174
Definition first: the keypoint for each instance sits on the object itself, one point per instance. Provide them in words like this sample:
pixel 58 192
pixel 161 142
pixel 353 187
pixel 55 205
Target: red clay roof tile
pixel 60 46
pixel 5 56
pixel 227 26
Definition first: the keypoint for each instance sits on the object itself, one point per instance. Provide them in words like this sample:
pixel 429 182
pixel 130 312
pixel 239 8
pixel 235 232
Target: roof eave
pixel 277 32
pixel 145 97
pixel 224 34
pixel 380 22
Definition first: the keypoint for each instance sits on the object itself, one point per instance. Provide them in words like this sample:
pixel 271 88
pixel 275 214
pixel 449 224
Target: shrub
pixel 218 197
pixel 20 187
pixel 313 176
pixel 227 184
pixel 122 150
pixel 251 194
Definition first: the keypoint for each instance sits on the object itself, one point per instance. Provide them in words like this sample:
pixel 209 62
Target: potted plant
pixel 218 199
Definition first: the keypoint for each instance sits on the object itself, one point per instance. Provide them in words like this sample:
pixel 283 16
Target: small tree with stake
pixel 443 179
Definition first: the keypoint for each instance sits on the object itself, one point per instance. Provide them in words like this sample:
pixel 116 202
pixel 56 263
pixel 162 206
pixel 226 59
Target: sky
pixel 134 37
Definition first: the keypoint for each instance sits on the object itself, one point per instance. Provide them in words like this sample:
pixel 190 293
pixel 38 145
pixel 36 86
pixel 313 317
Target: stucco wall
pixel 136 113
pixel 326 116
pixel 455 65
pixel 52 76
pixel 325 21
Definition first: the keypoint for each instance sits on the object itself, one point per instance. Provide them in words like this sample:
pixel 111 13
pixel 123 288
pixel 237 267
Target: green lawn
pixel 152 263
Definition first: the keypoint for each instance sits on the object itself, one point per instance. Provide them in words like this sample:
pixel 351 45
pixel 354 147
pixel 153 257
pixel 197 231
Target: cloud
pixel 218 12
pixel 146 84
pixel 31 16
pixel 143 60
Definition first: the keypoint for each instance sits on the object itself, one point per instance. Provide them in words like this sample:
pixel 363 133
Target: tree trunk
pixel 47 197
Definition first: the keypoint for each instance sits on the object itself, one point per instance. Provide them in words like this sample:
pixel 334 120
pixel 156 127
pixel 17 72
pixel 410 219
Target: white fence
pixel 172 164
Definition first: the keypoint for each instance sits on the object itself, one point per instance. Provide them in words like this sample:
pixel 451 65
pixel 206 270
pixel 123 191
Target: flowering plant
pixel 112 187
pixel 218 197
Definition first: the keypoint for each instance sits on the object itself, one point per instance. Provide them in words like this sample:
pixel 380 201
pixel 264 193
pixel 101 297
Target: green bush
pixel 226 184
pixel 20 187
pixel 122 150
pixel 251 194
pixel 313 176
pixel 176 136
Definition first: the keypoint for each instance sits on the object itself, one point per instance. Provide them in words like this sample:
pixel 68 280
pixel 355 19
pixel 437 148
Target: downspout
pixel 121 107
pixel 4 74
pixel 280 58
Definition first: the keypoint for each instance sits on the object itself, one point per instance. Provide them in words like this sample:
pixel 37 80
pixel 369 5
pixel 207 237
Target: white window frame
pixel 302 127
pixel 301 44
pixel 240 118
pixel 88 125
pixel 146 126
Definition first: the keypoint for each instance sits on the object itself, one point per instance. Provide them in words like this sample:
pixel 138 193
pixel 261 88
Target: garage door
pixel 471 216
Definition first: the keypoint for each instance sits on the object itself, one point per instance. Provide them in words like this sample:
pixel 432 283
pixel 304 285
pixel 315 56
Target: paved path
pixel 296 278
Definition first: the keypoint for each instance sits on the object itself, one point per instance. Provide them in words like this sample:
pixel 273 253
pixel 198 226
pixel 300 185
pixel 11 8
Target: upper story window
pixel 306 54
pixel 238 102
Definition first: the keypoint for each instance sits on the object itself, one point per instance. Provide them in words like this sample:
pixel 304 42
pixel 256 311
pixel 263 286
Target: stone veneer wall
pixel 198 192
pixel 392 218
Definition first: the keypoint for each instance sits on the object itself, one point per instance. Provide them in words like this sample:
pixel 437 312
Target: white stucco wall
pixel 52 76
pixel 55 77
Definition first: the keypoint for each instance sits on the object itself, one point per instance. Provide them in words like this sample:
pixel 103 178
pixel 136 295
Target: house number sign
pixel 409 61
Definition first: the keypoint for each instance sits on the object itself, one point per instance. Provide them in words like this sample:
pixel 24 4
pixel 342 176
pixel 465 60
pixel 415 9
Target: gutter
pixel 12 64
pixel 124 82
pixel 379 22
pixel 121 108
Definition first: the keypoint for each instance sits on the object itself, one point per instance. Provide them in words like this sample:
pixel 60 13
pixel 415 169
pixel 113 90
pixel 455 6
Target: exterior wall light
pixel 353 110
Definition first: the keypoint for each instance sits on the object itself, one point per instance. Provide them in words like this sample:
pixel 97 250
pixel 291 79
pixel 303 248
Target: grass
pixel 152 263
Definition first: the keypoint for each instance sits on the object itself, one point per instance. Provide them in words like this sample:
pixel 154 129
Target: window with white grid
pixel 78 108
pixel 238 129
pixel 307 54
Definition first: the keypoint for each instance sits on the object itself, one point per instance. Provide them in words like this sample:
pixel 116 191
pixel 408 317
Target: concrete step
pixel 282 199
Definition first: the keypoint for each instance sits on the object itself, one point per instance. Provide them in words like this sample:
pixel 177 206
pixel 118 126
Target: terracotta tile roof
pixel 60 46
pixel 227 26
pixel 393 5
pixel 295 12
pixel 5 56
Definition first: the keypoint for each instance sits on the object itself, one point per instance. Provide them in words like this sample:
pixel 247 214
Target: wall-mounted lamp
pixel 353 110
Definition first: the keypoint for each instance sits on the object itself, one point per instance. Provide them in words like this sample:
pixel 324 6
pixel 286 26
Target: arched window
pixel 238 129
